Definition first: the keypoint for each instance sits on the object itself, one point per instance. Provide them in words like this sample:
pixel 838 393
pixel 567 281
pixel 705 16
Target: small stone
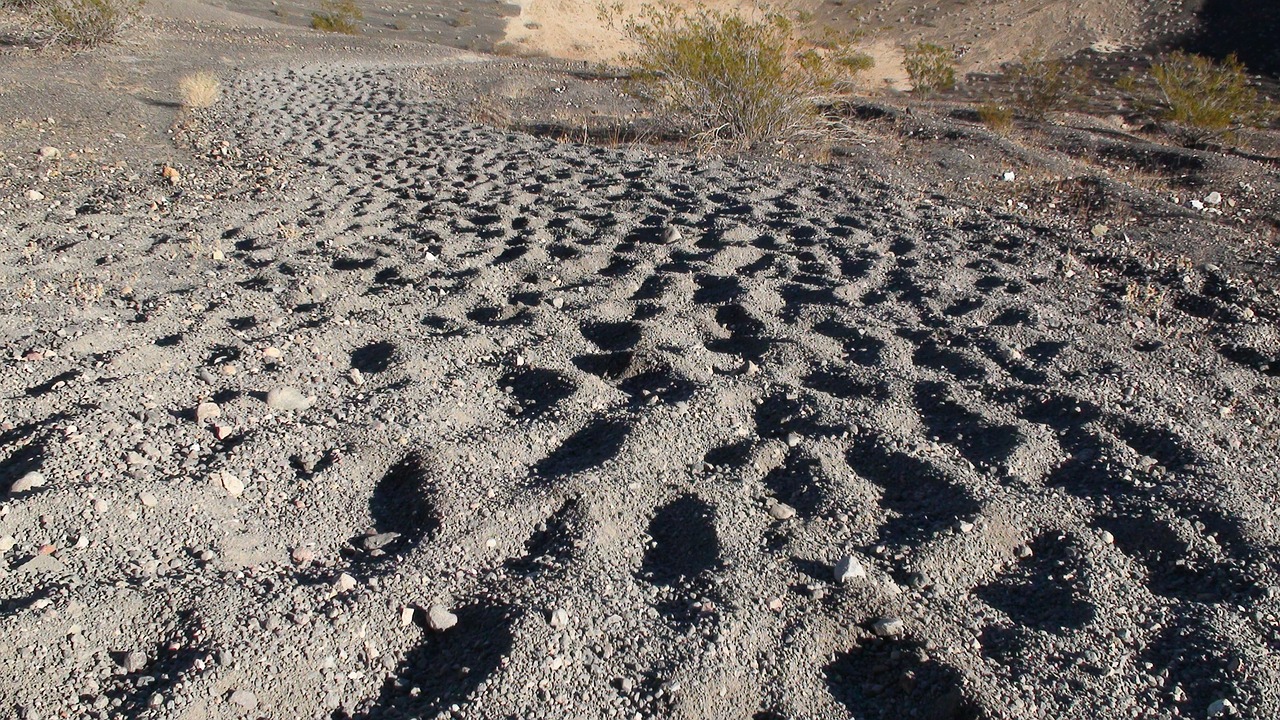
pixel 1100 230
pixel 557 303
pixel 27 483
pixel 207 376
pixel 134 660
pixel 174 177
pixel 1108 538
pixel 749 368
pixel 207 411
pixel 440 619
pixel 344 584
pixel 356 377
pixel 849 568
pixel 232 484
pixel 888 627
pixel 272 353
pixel 288 398
pixel 1023 551
pixel 1010 176
pixel 302 555
pixel 378 541
pixel 1220 708
pixel 793 439
pixel 1213 198
pixel 35 195
pixel 782 511
pixel 964 526
pixel 7 542
pixel 222 432
pixel 775 604
pixel 670 234
pixel 559 619
pixel 244 699
pixel 49 152
pixel 406 616
pixel 147 499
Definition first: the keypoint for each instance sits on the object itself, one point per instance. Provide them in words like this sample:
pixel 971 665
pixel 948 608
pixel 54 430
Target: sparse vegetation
pixel 339 16
pixel 1043 84
pixel 738 80
pixel 84 24
pixel 997 116
pixel 932 68
pixel 199 90
pixel 1199 100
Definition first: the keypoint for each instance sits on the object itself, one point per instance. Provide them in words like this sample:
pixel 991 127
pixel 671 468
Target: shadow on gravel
pixel 1046 591
pixel 447 667
pixel 596 443
pixel 536 391
pixel 921 499
pixel 612 336
pixel 22 450
pixel 169 663
pixel 373 358
pixel 683 551
pixel 404 502
pixel 1199 663
pixel 800 483
pixel 981 442
pixel 554 542
pixel 886 679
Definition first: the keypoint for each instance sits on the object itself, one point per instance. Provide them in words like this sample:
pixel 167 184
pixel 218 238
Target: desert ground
pixel 402 383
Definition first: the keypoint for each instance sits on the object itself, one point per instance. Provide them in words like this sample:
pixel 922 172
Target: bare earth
pixel 380 411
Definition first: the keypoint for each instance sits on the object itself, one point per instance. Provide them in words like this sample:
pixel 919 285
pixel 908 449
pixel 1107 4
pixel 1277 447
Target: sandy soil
pixel 380 412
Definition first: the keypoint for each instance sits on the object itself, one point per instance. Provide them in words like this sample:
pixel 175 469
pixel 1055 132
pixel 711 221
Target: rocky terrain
pixel 334 402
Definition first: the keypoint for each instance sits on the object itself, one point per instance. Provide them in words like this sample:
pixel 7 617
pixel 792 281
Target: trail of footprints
pixel 889 376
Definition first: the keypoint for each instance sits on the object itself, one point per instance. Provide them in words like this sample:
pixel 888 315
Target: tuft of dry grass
pixel 84 24
pixel 996 116
pixel 199 90
pixel 339 16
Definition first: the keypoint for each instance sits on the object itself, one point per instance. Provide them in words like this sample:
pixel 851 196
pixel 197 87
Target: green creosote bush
pixel 931 68
pixel 1042 84
pixel 339 16
pixel 1199 100
pixel 84 24
pixel 742 81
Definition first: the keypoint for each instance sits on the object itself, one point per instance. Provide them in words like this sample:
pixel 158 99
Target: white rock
pixel 206 411
pixel 35 195
pixel 6 543
pixel 288 398
pixel 671 235
pixel 1010 176
pixel 560 619
pixel 356 377
pixel 49 152
pixel 406 616
pixel 147 499
pixel 1213 198
pixel 27 483
pixel 232 484
pixel 849 568
pixel 344 583
pixel 440 619
pixel 793 439
pixel 888 627
pixel 782 511
pixel 1197 204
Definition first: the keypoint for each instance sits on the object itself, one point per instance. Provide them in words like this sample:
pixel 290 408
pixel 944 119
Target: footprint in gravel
pixel 944 357
pixel 859 347
pixel 979 440
pixel 22 450
pixel 682 554
pixel 799 482
pixel 920 499
pixel 535 391
pixel 448 667
pixel 373 358
pixel 893 679
pixel 1175 568
pixel 612 336
pixel 1188 655
pixel 170 664
pixel 746 334
pixel 645 376
pixel 596 443
pixel 555 543
pixel 1045 590
pixel 403 507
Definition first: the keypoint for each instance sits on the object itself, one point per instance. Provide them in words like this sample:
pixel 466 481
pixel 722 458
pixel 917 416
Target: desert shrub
pixel 743 81
pixel 84 24
pixel 340 16
pixel 932 68
pixel 1042 84
pixel 997 116
pixel 199 90
pixel 1198 99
